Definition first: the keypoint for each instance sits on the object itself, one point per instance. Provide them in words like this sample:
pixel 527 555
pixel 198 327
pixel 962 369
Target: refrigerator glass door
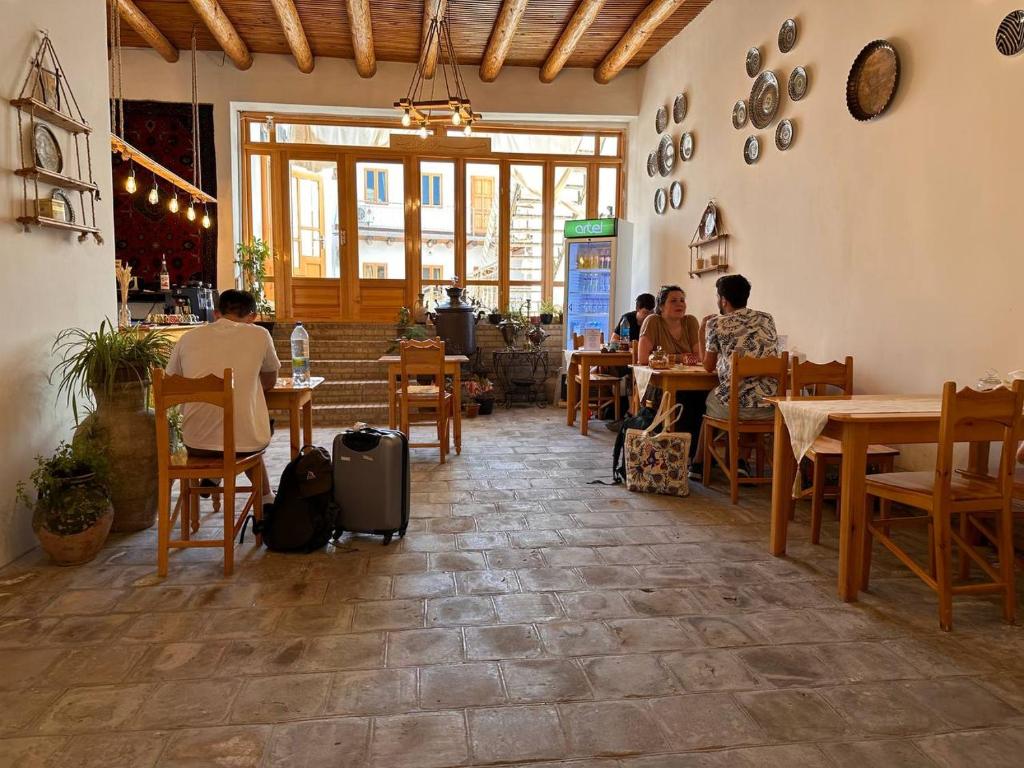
pixel 588 298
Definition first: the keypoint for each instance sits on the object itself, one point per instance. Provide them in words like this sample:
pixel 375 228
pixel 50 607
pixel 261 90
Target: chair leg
pixel 616 393
pixel 868 543
pixel 734 462
pixel 817 498
pixel 706 465
pixel 229 525
pixel 760 451
pixel 944 568
pixel 163 537
pixel 185 493
pixel 966 533
pixel 257 500
pixel 1006 563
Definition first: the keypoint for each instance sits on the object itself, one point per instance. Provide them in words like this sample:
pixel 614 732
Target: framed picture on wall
pixel 49 88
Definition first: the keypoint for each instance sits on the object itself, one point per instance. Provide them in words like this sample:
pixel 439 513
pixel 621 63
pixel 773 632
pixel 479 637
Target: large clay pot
pixel 76 548
pixel 125 425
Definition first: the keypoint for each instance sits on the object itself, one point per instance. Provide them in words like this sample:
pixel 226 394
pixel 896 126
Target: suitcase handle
pixel 362 440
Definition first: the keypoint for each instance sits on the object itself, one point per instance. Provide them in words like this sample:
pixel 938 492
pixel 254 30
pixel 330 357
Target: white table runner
pixel 642 375
pixel 806 419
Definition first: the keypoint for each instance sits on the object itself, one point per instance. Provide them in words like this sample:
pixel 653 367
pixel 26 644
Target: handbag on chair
pixel 658 462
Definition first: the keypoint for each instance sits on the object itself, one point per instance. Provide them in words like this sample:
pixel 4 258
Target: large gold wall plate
pixel 873 81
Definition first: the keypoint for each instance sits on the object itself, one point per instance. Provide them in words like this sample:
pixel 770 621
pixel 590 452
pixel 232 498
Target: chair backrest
pixel 817 377
pixel 755 368
pixel 634 351
pixel 422 358
pixel 169 391
pixel 998 407
pixel 578 340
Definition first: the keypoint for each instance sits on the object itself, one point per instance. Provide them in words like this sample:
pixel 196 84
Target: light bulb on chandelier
pixel 456 118
pixel 206 222
pixel 468 130
pixel 406 119
pixel 129 184
pixel 174 206
pixel 154 193
pixel 423 132
pixel 190 214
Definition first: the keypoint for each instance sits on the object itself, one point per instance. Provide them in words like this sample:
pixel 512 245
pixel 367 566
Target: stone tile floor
pixel 528 617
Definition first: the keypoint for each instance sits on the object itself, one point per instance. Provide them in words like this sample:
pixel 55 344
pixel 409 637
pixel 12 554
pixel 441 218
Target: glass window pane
pixel 482 217
pixel 487 295
pixel 520 294
pixel 607 192
pixel 558 297
pixel 437 221
pixel 313 196
pixel 535 143
pixel 526 221
pixel 337 135
pixel 259 131
pixel 381 215
pixel 609 146
pixel 570 203
pixel 260 216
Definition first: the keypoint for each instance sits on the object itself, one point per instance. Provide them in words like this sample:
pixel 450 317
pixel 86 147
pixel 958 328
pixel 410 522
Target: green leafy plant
pixel 549 308
pixel 251 260
pixel 414 332
pixel 99 359
pixel 70 486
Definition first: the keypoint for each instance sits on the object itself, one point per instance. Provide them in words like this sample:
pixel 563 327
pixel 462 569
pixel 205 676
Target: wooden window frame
pixel 429 176
pixel 376 194
pixel 376 267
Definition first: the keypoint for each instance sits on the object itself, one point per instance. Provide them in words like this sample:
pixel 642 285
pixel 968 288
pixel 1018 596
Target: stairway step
pixel 370 392
pixel 345 415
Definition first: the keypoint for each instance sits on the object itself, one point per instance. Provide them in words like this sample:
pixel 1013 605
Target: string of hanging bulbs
pixel 131 186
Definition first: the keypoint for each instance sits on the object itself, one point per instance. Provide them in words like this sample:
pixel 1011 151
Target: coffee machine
pixel 201 300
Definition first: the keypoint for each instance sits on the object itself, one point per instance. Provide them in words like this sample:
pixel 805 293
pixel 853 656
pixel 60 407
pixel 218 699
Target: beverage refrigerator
pixel 598 257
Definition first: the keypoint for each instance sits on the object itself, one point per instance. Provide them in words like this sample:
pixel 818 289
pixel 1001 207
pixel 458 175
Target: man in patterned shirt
pixel 752 334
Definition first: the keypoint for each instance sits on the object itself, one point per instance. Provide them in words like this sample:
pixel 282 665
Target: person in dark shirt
pixel 634 320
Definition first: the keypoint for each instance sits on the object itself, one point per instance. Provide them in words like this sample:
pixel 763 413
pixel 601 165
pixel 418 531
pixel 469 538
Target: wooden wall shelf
pixel 35 107
pixel 58 179
pixel 42 221
pixel 705 270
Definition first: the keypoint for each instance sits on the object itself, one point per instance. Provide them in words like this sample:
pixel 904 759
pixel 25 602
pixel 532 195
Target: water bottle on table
pixel 300 356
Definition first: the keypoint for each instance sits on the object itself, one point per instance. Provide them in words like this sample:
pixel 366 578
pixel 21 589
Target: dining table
pixel 297 400
pixel 678 378
pixel 579 362
pixel 856 421
pixel 452 367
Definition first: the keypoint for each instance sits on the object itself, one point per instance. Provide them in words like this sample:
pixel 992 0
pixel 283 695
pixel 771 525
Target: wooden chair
pixel 424 403
pixel 169 391
pixel 818 379
pixel 634 398
pixel 983 506
pixel 728 434
pixel 599 383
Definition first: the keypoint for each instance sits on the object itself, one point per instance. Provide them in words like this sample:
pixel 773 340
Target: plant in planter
pixel 113 367
pixel 494 316
pixel 480 388
pixel 72 513
pixel 251 260
pixel 547 312
pixel 407 330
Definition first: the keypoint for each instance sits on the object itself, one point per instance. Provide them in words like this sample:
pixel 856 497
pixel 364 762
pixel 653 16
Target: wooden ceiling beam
pixel 223 31
pixel 431 9
pixel 505 27
pixel 362 37
pixel 147 30
pixel 638 33
pixel 580 22
pixel 294 34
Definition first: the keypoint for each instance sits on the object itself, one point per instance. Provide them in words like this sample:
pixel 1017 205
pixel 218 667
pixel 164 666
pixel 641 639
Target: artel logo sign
pixel 590 228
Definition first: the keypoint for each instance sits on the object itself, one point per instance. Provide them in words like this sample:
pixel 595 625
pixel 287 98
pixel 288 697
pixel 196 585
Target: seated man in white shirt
pixel 234 342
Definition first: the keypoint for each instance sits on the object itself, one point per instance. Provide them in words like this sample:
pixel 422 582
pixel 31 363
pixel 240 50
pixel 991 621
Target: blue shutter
pixel 425 191
pixel 370 196
pixel 382 187
pixel 437 190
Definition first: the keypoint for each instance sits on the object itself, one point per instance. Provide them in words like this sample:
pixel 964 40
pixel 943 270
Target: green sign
pixel 590 228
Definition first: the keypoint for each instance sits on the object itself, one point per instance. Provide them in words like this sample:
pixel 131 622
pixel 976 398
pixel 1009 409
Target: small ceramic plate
pixel 46 149
pixel 752 150
pixel 666 155
pixel 659 200
pixel 686 146
pixel 739 114
pixel 1010 35
pixel 784 135
pixel 661 120
pixel 709 221
pixel 69 210
pixel 675 194
pixel 652 164
pixel 679 108
pixel 764 99
pixel 787 35
pixel 753 61
pixel 798 82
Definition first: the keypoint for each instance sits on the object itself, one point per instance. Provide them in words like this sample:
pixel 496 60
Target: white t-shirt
pixel 247 350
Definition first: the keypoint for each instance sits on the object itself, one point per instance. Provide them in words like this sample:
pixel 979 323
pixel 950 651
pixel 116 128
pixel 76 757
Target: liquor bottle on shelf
pixel 165 276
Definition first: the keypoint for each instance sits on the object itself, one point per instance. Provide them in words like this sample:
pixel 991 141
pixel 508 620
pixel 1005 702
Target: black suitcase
pixel 371 481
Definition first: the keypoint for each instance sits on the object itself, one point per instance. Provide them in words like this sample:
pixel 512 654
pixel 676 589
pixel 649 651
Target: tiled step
pixel 348 370
pixel 363 349
pixel 345 415
pixel 370 392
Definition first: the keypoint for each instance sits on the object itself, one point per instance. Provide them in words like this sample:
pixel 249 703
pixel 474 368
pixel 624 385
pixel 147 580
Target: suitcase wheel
pixel 387 539
pixel 401 532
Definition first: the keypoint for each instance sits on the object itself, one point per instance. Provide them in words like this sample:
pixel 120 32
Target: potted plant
pixel 251 260
pixel 406 329
pixel 72 513
pixel 547 312
pixel 494 316
pixel 112 366
pixel 481 390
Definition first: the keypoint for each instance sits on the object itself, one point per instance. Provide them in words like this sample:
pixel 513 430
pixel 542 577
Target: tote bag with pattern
pixel 658 462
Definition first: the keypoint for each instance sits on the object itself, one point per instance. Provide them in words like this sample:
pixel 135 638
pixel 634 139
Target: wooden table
pixel 580 362
pixel 298 401
pixel 855 431
pixel 692 378
pixel 452 367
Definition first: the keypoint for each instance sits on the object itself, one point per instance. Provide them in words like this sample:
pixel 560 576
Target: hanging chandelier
pixel 422 109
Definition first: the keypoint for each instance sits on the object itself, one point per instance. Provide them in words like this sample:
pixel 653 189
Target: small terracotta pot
pixel 472 410
pixel 78 548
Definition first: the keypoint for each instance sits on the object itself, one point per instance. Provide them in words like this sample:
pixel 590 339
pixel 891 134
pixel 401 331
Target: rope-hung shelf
pixel 49 123
pixel 193 190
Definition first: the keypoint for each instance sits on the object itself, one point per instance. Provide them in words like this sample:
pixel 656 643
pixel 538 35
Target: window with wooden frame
pixel 374 271
pixel 431 186
pixel 375 185
pixel 432 273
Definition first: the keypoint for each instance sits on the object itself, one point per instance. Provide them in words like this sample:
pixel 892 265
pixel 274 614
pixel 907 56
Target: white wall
pixel 896 241
pixel 274 79
pixel 50 281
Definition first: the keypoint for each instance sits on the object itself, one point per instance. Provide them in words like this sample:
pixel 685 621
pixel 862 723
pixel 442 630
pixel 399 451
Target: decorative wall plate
pixel 787 35
pixel 752 150
pixel 753 61
pixel 679 108
pixel 686 146
pixel 659 200
pixel 652 163
pixel 764 99
pixel 675 195
pixel 797 86
pixel 46 149
pixel 69 210
pixel 739 114
pixel 666 155
pixel 708 226
pixel 661 120
pixel 1010 35
pixel 873 81
pixel 784 135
